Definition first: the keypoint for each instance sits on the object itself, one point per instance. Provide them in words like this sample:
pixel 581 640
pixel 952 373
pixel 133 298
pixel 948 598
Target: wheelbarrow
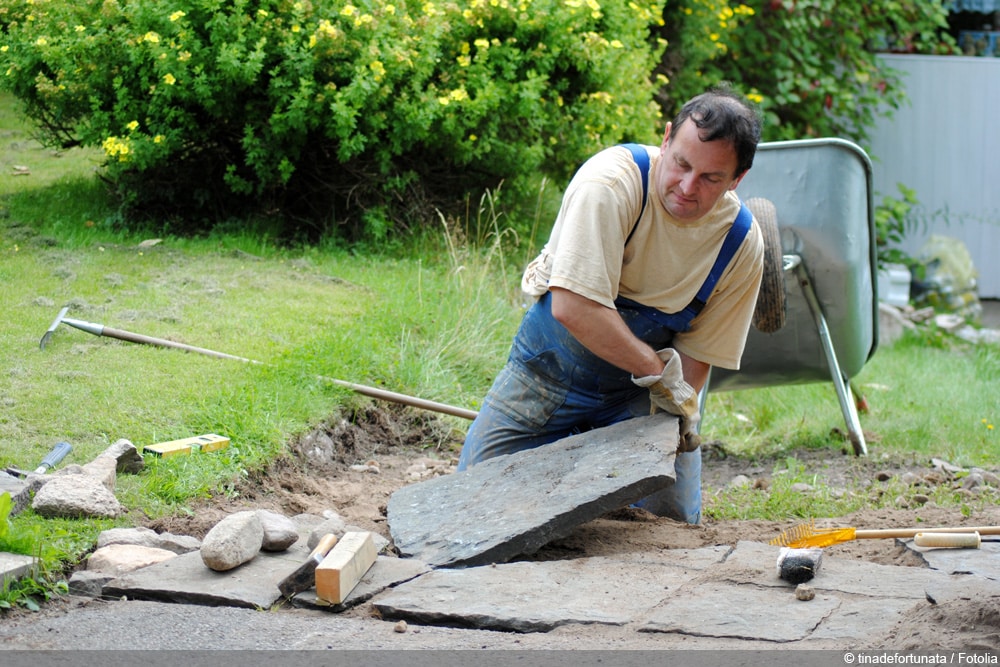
pixel 817 311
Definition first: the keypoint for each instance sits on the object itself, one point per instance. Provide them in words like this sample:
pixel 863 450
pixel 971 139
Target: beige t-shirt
pixel 666 260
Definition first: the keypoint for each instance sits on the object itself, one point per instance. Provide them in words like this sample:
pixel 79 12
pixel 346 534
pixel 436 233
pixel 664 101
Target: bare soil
pixel 351 467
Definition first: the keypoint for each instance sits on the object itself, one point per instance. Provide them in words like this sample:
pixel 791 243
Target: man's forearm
pixel 602 331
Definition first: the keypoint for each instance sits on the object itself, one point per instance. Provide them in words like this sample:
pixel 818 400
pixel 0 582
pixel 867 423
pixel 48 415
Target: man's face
pixel 693 174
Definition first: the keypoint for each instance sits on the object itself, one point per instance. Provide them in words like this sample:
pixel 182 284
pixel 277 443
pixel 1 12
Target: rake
pixel 807 535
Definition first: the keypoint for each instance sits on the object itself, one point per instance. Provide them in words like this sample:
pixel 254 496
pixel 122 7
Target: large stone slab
pixel 745 612
pixel 14 566
pixel 753 562
pixel 984 562
pixel 186 579
pixel 535 596
pixel 513 505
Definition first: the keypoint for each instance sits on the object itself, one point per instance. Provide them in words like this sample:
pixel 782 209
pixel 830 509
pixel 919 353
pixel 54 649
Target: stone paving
pixel 721 594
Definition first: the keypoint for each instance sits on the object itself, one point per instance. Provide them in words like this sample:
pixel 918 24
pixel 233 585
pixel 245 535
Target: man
pixel 608 338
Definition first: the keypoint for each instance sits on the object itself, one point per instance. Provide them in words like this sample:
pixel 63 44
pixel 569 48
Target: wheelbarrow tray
pixel 821 189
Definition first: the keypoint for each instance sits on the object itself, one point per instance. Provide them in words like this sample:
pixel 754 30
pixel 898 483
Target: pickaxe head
pixel 55 323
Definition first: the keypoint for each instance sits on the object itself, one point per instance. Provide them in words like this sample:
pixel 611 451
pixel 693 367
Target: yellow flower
pixel 378 69
pixel 390 9
pixel 177 16
pixel 41 41
pixel 151 37
pixel 115 147
pixel 616 44
pixel 4 48
pixel 756 98
pixel 133 126
pixel 169 79
pixel 262 13
pixel 348 10
pixel 482 44
pixel 158 139
pixel 464 61
pixel 80 28
pixel 184 56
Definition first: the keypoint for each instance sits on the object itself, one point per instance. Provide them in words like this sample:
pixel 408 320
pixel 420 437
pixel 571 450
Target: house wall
pixel 945 144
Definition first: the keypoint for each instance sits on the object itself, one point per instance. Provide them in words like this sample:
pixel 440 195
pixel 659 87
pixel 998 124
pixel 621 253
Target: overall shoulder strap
pixel 641 158
pixel 734 238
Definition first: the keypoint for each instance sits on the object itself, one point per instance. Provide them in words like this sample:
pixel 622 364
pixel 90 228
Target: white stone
pixel 233 541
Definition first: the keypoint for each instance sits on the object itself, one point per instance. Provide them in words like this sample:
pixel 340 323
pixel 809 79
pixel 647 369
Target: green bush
pixel 812 65
pixel 370 112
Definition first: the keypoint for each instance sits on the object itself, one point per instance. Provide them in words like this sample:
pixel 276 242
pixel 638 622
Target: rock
pixel 19 490
pixel 400 627
pixel 949 322
pixel 76 496
pixel 88 583
pixel 103 468
pixel 280 532
pixel 945 467
pixel 235 540
pixel 804 592
pixel 332 524
pixel 801 487
pixel 891 324
pixel 973 481
pixel 739 481
pixel 991 479
pixel 117 559
pixel 127 457
pixel 147 537
pixel 910 479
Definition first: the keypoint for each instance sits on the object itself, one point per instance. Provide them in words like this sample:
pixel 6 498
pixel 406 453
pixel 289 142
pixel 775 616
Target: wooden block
pixel 344 566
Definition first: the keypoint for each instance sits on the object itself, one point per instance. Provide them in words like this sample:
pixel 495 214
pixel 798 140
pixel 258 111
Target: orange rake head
pixel 807 535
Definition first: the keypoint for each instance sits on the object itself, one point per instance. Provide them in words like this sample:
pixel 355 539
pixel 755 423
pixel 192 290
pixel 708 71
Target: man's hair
pixel 723 114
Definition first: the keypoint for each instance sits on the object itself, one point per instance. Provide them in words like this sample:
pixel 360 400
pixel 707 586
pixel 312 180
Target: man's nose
pixel 688 183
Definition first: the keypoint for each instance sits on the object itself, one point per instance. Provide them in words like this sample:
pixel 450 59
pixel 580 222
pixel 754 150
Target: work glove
pixel 669 392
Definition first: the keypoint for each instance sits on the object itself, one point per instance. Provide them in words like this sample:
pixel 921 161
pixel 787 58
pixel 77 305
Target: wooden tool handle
pixel 912 532
pixel 954 540
pixel 326 543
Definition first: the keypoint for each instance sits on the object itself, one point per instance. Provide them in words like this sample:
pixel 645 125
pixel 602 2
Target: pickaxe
pixel 373 392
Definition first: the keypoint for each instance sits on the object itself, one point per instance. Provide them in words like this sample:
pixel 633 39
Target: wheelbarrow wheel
pixel 769 314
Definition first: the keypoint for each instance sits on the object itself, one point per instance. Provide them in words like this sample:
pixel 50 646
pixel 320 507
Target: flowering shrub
pixel 324 108
pixel 812 65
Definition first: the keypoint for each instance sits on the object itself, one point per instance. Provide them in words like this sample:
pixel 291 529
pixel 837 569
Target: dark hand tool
pixel 51 460
pixel 304 576
pixel 373 392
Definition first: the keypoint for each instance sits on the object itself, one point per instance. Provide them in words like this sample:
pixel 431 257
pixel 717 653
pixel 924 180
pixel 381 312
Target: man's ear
pixel 739 178
pixel 666 136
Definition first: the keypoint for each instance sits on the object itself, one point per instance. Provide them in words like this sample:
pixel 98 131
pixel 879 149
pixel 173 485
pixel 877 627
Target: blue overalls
pixel 552 386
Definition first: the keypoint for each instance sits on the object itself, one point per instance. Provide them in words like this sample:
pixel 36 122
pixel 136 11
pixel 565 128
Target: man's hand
pixel 669 392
